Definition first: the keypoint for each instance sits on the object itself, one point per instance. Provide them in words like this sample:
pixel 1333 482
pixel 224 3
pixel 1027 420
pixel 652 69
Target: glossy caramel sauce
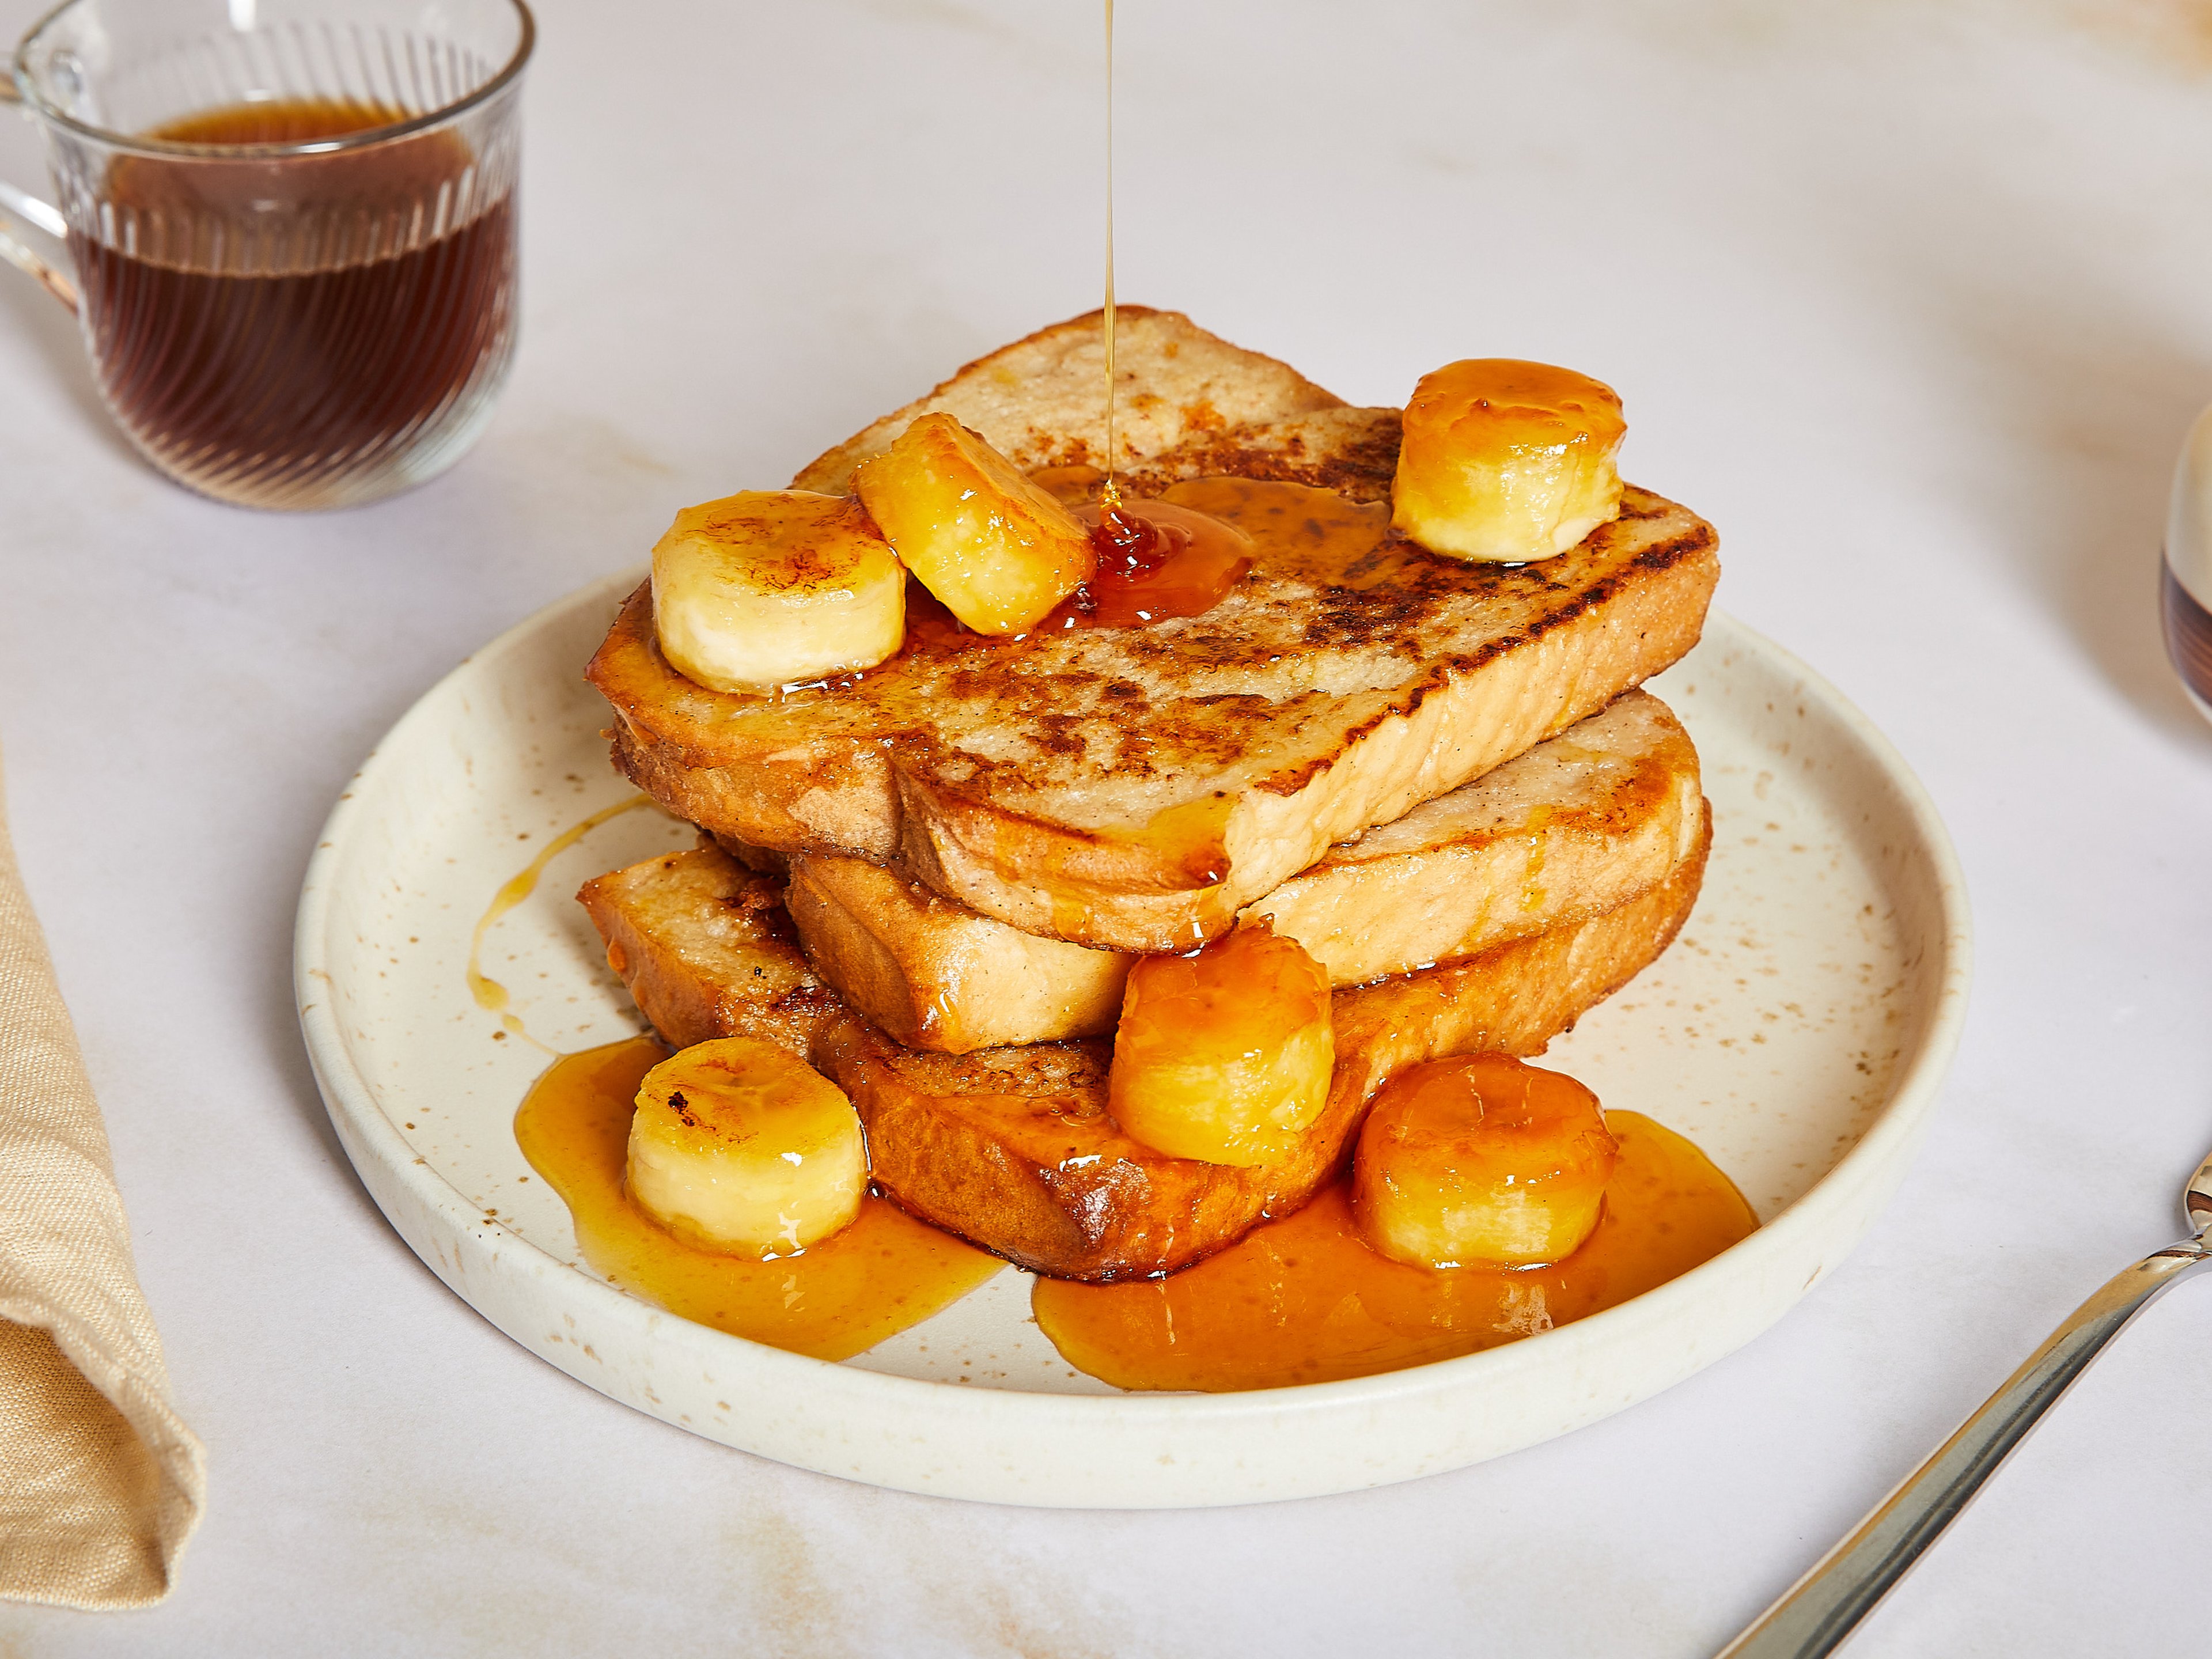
pixel 1157 560
pixel 1316 534
pixel 1180 554
pixel 490 995
pixel 1303 1300
pixel 882 1275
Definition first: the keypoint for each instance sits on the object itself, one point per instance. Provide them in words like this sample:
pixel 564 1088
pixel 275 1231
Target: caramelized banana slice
pixel 739 1146
pixel 1507 461
pixel 769 587
pixel 1480 1161
pixel 998 550
pixel 1224 1055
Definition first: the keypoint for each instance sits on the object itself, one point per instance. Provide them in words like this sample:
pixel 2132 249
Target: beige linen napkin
pixel 101 1482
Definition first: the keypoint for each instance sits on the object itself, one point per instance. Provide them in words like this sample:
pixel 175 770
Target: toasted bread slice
pixel 706 948
pixel 1578 825
pixel 938 975
pixel 1012 1148
pixel 1135 789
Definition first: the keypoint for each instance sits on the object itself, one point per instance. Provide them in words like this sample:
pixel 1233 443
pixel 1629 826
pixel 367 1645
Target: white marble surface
pixel 1914 301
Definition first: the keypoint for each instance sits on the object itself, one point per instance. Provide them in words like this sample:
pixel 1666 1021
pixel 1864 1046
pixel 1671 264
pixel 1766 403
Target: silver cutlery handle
pixel 1820 1610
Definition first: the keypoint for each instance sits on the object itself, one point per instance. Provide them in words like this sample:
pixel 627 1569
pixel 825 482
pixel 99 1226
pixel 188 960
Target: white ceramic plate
pixel 1798 1032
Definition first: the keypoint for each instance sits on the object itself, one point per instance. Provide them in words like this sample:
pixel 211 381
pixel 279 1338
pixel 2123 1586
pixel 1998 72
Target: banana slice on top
pixel 739 1146
pixel 1507 461
pixel 772 586
pixel 1482 1161
pixel 998 548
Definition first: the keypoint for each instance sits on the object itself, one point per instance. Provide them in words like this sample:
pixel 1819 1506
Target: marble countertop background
pixel 1913 301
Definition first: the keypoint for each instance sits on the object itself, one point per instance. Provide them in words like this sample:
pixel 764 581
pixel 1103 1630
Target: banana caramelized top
pixel 767 586
pixel 1482 1161
pixel 996 549
pixel 1507 460
pixel 738 1146
pixel 1224 1054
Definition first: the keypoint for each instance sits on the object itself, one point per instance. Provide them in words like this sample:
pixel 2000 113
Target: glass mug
pixel 2185 572
pixel 292 225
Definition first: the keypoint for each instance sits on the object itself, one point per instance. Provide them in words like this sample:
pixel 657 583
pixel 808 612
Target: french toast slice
pixel 707 950
pixel 1581 823
pixel 1013 1149
pixel 1136 788
pixel 1039 402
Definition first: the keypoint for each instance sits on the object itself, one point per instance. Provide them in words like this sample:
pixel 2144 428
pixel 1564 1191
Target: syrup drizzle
pixel 1133 548
pixel 1299 1300
pixel 1110 499
pixel 1155 561
pixel 490 995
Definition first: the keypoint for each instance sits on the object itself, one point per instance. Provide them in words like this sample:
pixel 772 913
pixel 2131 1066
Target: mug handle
pixel 16 204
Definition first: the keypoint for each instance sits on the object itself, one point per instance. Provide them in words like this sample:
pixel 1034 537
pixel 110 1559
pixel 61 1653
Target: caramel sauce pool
pixel 882 1275
pixel 1302 1300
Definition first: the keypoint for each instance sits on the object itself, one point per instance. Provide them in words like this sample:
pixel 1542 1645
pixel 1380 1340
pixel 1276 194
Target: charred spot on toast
pixel 1351 451
pixel 758 908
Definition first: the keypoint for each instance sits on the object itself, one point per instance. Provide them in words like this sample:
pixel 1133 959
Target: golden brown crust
pixel 1581 823
pixel 1134 788
pixel 935 974
pixel 827 794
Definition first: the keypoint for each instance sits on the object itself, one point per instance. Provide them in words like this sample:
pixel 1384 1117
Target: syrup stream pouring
pixel 1111 499
pixel 1821 1609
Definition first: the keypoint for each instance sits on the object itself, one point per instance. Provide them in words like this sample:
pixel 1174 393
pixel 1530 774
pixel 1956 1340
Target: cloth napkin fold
pixel 101 1481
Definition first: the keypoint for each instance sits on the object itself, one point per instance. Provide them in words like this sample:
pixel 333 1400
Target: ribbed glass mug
pixel 293 228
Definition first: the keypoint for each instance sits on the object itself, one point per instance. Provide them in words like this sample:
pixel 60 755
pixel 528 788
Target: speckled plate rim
pixel 1129 1450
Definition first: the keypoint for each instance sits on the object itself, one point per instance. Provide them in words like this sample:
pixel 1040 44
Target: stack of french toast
pixel 1355 718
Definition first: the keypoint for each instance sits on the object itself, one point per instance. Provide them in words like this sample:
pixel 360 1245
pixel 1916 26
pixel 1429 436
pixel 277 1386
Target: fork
pixel 1820 1611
